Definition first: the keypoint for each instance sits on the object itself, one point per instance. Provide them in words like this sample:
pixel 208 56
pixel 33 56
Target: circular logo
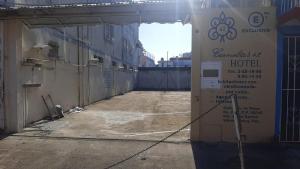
pixel 222 29
pixel 256 19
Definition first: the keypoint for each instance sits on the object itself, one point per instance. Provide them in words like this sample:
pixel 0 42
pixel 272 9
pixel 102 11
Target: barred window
pixel 109 32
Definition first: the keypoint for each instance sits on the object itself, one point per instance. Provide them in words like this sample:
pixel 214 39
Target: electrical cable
pixel 170 135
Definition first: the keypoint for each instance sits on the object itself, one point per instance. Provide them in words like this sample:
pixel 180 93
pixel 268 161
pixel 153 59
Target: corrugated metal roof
pixel 118 12
pixel 79 3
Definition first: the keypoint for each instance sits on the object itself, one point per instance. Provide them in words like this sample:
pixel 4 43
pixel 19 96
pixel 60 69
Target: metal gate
pixel 290 93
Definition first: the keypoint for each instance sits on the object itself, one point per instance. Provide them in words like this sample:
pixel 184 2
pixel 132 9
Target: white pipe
pixel 237 129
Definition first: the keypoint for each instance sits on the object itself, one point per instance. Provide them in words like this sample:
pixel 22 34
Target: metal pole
pixel 235 110
pixel 167 70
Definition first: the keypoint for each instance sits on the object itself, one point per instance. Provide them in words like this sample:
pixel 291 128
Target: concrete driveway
pixel 106 132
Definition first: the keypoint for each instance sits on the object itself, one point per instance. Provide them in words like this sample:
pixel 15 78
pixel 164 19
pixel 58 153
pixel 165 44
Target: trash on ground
pixel 76 110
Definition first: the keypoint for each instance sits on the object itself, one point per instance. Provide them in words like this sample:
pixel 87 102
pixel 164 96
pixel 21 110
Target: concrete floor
pixel 106 132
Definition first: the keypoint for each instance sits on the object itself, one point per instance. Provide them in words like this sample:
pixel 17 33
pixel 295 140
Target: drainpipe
pixel 78 67
pixel 88 81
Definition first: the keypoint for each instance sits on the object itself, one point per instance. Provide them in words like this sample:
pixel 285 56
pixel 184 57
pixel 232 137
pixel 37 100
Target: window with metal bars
pixel 290 93
pixel 109 32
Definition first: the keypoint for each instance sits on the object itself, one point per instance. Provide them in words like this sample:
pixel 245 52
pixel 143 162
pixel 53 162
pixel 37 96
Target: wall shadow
pixel 3 135
pixel 257 156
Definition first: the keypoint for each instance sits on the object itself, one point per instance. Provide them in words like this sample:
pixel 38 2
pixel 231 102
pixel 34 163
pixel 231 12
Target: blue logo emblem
pixel 256 19
pixel 222 28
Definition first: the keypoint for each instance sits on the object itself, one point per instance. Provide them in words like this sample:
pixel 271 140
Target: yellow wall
pixel 234 52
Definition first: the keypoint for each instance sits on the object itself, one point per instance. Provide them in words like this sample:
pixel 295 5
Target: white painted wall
pixel 13 98
pixel 75 78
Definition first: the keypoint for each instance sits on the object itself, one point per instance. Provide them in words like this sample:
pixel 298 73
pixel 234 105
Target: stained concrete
pixel 135 115
pixel 105 132
pixel 33 153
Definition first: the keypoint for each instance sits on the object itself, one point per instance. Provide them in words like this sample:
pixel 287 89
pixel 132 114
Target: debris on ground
pixel 76 110
pixel 59 110
pixel 55 111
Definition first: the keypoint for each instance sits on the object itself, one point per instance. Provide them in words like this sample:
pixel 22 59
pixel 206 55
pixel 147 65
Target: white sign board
pixel 211 75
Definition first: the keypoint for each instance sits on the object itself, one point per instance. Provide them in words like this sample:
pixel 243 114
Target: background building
pixel 183 60
pixel 164 63
pixel 146 59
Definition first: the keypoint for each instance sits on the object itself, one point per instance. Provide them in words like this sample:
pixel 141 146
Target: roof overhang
pixel 96 14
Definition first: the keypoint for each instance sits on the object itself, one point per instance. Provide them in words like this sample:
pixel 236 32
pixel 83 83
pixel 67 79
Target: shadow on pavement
pixel 3 135
pixel 257 156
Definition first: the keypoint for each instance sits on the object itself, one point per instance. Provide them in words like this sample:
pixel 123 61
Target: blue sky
pixel 160 38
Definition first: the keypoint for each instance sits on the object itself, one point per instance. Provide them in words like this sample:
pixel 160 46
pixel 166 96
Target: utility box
pixel 234 52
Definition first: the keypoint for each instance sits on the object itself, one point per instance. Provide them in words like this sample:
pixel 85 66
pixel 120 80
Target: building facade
pixel 76 66
pixel 247 48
